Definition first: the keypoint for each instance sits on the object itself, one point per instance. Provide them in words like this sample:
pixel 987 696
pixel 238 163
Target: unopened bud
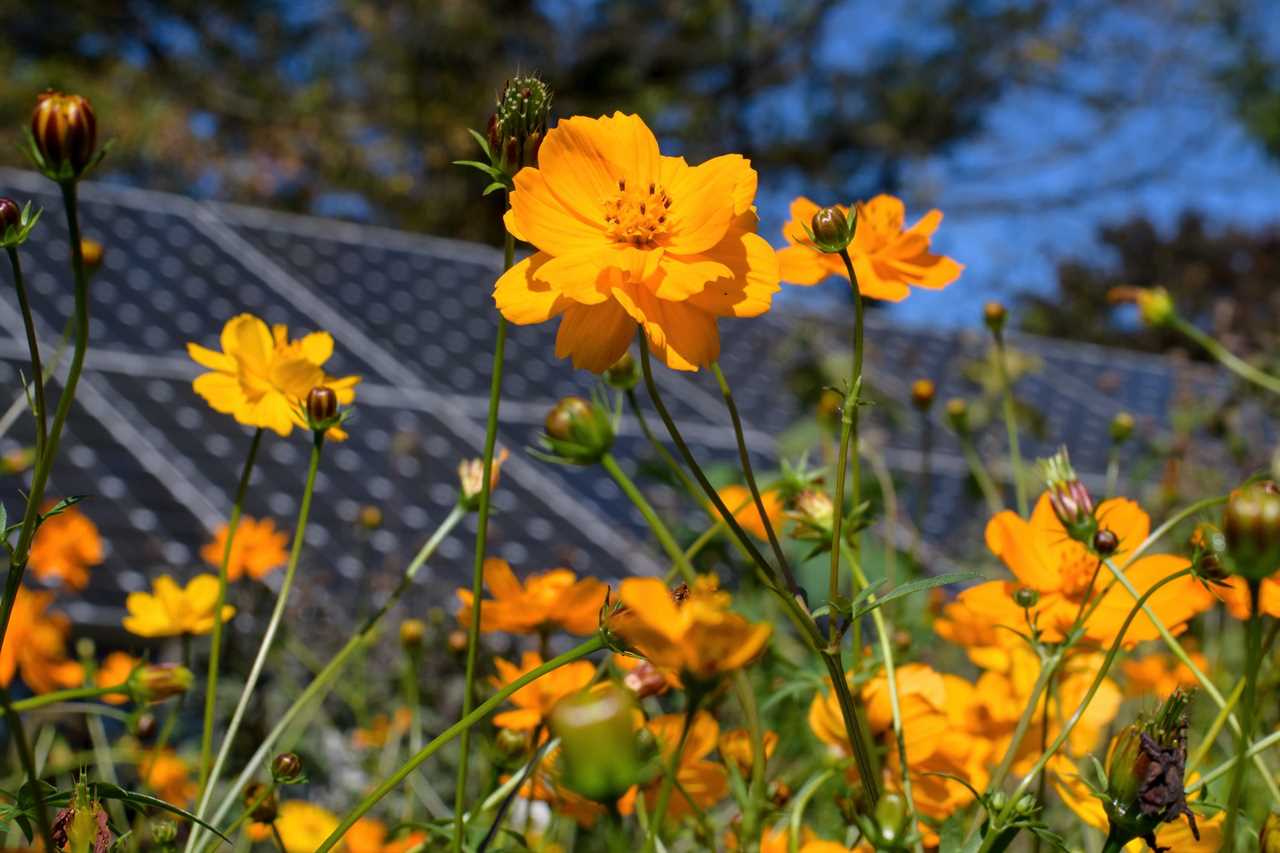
pixel 623 374
pixel 891 816
pixel 91 252
pixel 1208 553
pixel 1026 597
pixel 1105 542
pixel 597 742
pixel 471 478
pixel 65 133
pixel 831 232
pixel 145 726
pixel 994 315
pixel 958 415
pixel 779 793
pixel 262 801
pixel 412 633
pixel 997 802
pixel 370 517
pixel 511 744
pixel 1071 501
pixel 286 768
pixel 322 407
pixel 154 683
pixel 519 124
pixel 457 641
pixel 1251 524
pixel 1025 805
pixel 10 214
pixel 578 432
pixel 1138 797
pixel 645 680
pixel 922 394
pixel 1121 427
pixel 1155 306
pixel 163 831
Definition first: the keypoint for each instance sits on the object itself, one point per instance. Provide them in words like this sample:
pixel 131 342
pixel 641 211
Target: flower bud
pixel 578 432
pixel 163 831
pixel 813 514
pixel 831 229
pixel 1025 596
pixel 779 793
pixel 412 633
pixel 322 408
pixel 457 641
pixel 145 726
pixel 1121 427
pixel 471 478
pixel 994 315
pixel 265 809
pixel 91 253
pixel 1208 548
pixel 623 374
pixel 65 133
pixel 922 393
pixel 891 816
pixel 1026 805
pixel 286 768
pixel 1070 500
pixel 997 802
pixel 512 745
pixel 1143 760
pixel 1155 306
pixel 519 124
pixel 10 215
pixel 597 742
pixel 645 680
pixel 1105 542
pixel 83 825
pixel 155 682
pixel 1251 524
pixel 958 415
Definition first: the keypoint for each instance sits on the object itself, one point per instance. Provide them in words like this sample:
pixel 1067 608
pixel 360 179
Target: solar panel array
pixel 413 316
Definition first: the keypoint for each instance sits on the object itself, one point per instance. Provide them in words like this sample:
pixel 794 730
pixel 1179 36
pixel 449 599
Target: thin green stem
pixel 277 614
pixel 33 344
pixel 1210 735
pixel 796 819
pixel 1011 425
pixel 756 790
pixel 744 456
pixel 1225 357
pixel 23 706
pixel 986 485
pixel 320 684
pixel 669 779
pixel 661 449
pixel 19 735
pixel 660 531
pixel 1259 746
pixel 1248 712
pixel 477 568
pixel 479 713
pixel 848 441
pixel 215 641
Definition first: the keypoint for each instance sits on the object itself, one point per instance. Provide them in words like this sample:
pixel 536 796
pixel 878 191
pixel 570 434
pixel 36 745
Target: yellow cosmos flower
pixel 555 599
pixel 735 746
pixel 627 238
pixel 369 835
pixel 1042 556
pixel 534 702
pixel 697 637
pixel 888 260
pixel 701 783
pixel 303 827
pixel 1159 674
pixel 35 645
pixel 66 546
pixel 170 610
pixel 258 549
pixel 164 772
pixel 261 377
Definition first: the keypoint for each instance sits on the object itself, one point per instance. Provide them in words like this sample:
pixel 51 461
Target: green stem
pixel 1249 702
pixel 744 456
pixel 756 790
pixel 660 531
pixel 412 664
pixel 37 371
pixel 1011 425
pixel 659 448
pixel 479 713
pixel 1215 728
pixel 796 819
pixel 669 779
pixel 848 440
pixel 477 568
pixel 986 485
pixel 1259 746
pixel 320 684
pixel 855 728
pixel 22 706
pixel 215 642
pixel 1226 358
pixel 28 761
pixel 277 615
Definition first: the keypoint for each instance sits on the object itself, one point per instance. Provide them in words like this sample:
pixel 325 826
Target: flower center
pixel 637 214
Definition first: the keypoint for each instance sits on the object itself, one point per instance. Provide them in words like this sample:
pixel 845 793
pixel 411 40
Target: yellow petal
pixel 594 336
pixel 522 298
pixel 210 359
pixel 702 205
pixel 317 347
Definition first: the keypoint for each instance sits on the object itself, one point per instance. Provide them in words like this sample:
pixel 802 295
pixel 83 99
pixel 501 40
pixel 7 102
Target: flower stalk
pixel 848 439
pixel 1248 711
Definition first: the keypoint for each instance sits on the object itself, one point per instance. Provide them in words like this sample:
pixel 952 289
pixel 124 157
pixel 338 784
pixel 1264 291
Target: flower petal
pixel 702 202
pixel 583 158
pixel 210 359
pixel 755 269
pixel 594 336
pixel 539 216
pixel 524 300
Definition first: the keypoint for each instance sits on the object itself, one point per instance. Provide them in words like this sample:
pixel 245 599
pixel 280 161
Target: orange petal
pixel 702 205
pixel 543 219
pixel 755 278
pixel 1016 543
pixel 594 336
pixel 583 159
pixel 523 299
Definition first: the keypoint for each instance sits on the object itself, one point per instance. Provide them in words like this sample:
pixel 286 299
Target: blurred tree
pixel 356 108
pixel 1224 282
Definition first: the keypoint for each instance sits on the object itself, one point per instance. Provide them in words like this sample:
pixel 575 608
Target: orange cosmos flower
pixel 535 701
pixel 698 637
pixel 739 501
pixel 369 835
pixel 550 600
pixel 168 775
pixel 1234 593
pixel 1159 674
pixel 35 645
pixel 701 782
pixel 735 746
pixel 258 548
pixel 66 546
pixel 1043 557
pixel 171 610
pixel 778 840
pixel 629 238
pixel 382 729
pixel 115 671
pixel 887 260
pixel 261 377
